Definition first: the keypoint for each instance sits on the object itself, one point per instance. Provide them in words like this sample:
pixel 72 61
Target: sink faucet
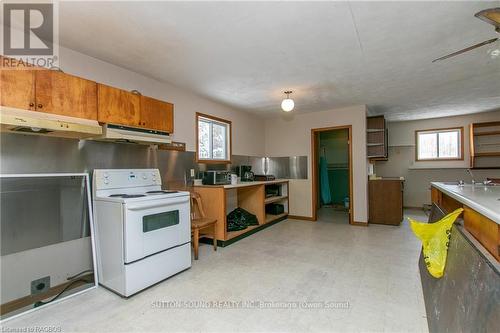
pixel 471 176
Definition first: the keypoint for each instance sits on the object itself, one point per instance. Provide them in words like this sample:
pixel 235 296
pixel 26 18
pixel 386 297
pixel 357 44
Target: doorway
pixel 332 174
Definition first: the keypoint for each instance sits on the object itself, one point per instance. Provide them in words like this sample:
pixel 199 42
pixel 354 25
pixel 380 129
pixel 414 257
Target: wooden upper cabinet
pixel 17 88
pixel 43 90
pixel 117 106
pixel 64 94
pixel 157 115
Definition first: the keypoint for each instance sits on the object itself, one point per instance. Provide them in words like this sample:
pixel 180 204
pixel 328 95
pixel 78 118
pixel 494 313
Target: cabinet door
pixel 157 115
pixel 117 106
pixel 385 201
pixel 64 94
pixel 17 88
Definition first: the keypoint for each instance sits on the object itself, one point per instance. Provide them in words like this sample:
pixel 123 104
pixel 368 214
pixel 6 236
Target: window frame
pixel 228 143
pixel 437 130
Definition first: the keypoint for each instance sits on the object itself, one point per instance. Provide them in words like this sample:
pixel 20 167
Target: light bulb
pixel 287 105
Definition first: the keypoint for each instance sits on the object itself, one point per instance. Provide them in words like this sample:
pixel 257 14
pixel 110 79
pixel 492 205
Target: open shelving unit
pixel 485 145
pixel 280 197
pixel 219 201
pixel 376 138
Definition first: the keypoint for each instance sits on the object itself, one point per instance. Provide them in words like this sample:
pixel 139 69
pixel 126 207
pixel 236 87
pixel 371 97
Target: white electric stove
pixel 143 232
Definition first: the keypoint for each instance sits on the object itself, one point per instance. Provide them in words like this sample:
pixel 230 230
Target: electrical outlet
pixel 40 285
pixel 192 173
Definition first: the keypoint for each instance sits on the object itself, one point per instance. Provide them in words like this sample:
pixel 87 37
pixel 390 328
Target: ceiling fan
pixel 491 16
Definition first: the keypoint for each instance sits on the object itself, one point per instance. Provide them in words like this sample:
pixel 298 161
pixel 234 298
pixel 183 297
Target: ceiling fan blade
pixel 489 41
pixel 491 16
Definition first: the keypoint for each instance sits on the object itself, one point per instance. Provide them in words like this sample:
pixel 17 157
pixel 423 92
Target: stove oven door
pixel 154 226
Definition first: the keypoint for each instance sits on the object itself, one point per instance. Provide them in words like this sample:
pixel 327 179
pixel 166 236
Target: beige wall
pixel 248 130
pixel 290 134
pixel 402 133
pixel 418 175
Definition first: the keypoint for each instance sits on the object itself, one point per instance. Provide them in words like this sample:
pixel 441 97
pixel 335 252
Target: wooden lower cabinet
pixel 214 204
pixel 435 196
pixel 385 201
pixel 486 231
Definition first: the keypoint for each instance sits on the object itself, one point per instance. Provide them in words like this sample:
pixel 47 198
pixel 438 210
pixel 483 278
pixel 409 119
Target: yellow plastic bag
pixel 435 239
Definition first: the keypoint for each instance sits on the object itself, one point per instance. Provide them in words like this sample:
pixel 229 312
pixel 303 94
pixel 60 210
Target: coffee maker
pixel 245 173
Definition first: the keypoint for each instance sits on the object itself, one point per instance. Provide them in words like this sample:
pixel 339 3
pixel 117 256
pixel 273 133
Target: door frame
pixel 314 154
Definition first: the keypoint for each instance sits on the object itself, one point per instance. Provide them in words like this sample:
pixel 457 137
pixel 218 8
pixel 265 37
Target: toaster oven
pixel 216 178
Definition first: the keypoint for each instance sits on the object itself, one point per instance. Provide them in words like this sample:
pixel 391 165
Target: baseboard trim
pixel 303 218
pixel 359 224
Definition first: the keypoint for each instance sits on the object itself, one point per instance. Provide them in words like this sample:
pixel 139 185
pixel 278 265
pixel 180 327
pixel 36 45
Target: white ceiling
pixel 331 54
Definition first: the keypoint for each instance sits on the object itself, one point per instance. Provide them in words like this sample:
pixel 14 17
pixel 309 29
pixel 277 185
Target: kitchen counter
pixel 246 184
pixel 483 199
pixel 481 207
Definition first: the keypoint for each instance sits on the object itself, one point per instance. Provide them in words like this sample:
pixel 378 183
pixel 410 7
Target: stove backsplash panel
pixel 39 154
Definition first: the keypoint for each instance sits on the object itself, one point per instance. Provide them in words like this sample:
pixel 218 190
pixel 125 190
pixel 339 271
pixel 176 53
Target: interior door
pixel 64 94
pixel 17 87
pixel 156 114
pixel 118 106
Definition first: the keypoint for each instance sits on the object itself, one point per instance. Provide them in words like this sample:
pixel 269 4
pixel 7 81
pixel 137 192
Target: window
pixel 213 139
pixel 439 144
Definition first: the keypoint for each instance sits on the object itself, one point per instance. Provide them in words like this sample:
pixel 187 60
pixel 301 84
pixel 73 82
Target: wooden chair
pixel 199 222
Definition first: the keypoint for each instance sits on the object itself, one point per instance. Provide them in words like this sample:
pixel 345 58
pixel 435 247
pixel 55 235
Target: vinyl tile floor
pixel 295 276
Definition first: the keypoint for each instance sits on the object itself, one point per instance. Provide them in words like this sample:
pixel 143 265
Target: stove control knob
pixel 106 175
pixel 144 176
pixel 106 181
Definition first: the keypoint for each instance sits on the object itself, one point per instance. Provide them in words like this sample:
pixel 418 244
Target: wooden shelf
pixel 232 234
pixel 374 130
pixel 490 154
pixel 375 144
pixel 485 168
pixel 377 158
pixel 487 133
pixel 275 199
pixel 487 124
pixel 270 218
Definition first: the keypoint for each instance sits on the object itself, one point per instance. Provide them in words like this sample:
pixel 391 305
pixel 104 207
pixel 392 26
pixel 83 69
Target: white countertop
pixel 244 184
pixel 483 199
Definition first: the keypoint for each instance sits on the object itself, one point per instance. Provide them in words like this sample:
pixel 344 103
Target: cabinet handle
pixel 57 69
pixel 39 106
pixel 32 104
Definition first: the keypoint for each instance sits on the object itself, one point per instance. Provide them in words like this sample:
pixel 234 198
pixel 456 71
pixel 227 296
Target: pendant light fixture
pixel 287 104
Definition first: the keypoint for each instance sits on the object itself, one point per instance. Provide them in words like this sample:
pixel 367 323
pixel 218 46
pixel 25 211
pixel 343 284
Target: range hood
pixel 21 121
pixel 118 133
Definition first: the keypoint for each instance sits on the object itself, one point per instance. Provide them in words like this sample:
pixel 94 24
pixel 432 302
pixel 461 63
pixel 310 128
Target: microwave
pixel 216 178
